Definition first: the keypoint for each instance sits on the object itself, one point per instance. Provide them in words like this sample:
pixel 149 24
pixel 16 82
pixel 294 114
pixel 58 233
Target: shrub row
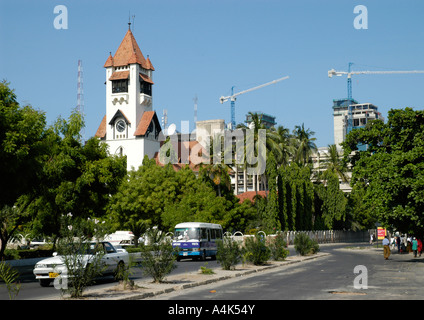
pixel 259 250
pixel 256 250
pixel 13 254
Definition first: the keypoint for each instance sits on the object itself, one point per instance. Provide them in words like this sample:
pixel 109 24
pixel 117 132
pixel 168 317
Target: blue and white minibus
pixel 197 239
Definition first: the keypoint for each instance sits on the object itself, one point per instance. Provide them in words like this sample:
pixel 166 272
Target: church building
pixel 130 127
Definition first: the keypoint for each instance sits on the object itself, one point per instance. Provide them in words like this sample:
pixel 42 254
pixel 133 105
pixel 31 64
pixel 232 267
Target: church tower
pixel 130 126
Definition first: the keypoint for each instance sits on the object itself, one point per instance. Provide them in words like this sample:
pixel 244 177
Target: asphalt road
pixel 345 274
pixel 332 277
pixel 31 289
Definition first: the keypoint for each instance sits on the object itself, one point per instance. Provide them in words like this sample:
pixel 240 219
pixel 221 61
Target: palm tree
pixel 272 141
pixel 305 144
pixel 217 172
pixel 285 149
pixel 333 163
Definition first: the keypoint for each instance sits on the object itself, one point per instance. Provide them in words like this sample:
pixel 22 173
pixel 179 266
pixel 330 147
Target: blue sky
pixel 204 47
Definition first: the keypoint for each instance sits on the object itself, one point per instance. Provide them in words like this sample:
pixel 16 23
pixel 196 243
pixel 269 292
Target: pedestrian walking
pixel 414 246
pixel 398 243
pixel 371 238
pixel 420 246
pixel 386 248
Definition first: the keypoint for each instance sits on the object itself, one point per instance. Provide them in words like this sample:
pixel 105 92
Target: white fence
pixel 320 236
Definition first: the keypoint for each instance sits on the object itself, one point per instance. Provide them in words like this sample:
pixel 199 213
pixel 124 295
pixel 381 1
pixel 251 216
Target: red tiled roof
pixel 250 195
pixel 146 78
pixel 101 131
pixel 128 52
pixel 120 75
pixel 109 61
pixel 190 148
pixel 149 64
pixel 144 123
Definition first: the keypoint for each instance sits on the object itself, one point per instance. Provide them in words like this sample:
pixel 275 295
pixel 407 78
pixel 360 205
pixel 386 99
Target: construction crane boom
pixel 349 74
pixel 233 96
pixel 333 72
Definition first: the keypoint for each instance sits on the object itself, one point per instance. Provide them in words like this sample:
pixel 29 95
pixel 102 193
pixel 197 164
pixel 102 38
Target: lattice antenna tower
pixel 195 110
pixel 165 119
pixel 80 92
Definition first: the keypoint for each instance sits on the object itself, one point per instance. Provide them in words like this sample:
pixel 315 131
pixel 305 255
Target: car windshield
pixel 186 234
pixel 92 248
pixel 82 248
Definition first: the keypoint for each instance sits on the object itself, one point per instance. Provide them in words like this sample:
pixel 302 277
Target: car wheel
pixel 45 282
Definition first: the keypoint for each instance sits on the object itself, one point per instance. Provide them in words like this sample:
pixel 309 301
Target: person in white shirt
pixel 386 248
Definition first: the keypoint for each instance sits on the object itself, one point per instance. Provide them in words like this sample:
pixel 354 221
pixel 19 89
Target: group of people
pixel 412 244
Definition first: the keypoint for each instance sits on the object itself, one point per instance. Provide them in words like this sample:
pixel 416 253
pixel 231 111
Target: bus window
pixel 218 234
pixel 204 233
pixel 187 234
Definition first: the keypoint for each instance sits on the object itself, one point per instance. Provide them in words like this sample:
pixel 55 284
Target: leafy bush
pixel 10 276
pixel 278 246
pixel 13 254
pixel 78 273
pixel 205 270
pixel 158 258
pixel 305 245
pixel 256 250
pixel 228 253
pixel 132 249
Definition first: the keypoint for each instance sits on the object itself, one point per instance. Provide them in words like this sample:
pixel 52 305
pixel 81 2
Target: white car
pixel 113 259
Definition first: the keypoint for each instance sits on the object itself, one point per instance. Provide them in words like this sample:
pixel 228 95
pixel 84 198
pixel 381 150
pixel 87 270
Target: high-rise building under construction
pixel 361 113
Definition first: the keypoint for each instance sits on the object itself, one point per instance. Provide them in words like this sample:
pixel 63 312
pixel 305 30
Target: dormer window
pixel 120 81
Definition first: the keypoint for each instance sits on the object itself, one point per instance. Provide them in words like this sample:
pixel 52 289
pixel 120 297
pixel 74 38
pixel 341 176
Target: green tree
pixel 197 201
pixel 271 221
pixel 304 144
pixel 22 135
pixel 332 163
pixel 296 197
pixel 22 146
pixel 142 196
pixel 390 172
pixel 334 201
pixel 285 149
pixel 77 177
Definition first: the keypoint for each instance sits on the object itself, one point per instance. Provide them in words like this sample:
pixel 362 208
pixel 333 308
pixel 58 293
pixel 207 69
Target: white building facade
pixel 361 114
